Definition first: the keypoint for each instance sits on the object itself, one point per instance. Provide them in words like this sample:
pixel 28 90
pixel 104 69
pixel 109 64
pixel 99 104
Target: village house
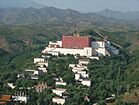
pixel 37 60
pixel 19 98
pixel 86 82
pixel 59 100
pixel 61 83
pixel 11 85
pixel 42 64
pixel 6 99
pixel 58 91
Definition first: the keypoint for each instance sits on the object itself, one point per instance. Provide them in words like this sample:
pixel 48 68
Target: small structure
pixel 21 99
pixel 86 82
pixel 5 99
pixel 40 87
pixel 77 76
pixel 84 62
pixel 42 64
pixel 37 60
pixel 59 100
pixel 58 91
pixel 11 85
pixel 61 83
pixel 43 69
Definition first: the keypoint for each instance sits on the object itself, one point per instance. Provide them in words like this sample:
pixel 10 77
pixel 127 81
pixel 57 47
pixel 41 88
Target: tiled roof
pixel 5 98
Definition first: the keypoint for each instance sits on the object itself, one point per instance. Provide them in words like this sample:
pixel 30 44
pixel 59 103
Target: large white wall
pixel 82 52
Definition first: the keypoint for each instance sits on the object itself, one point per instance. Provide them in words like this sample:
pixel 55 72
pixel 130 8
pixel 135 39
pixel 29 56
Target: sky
pixel 93 5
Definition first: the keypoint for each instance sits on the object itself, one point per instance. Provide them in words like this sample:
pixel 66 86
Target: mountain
pixel 19 3
pixel 28 16
pixel 129 16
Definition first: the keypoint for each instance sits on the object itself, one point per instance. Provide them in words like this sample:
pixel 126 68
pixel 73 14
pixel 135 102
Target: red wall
pixel 76 41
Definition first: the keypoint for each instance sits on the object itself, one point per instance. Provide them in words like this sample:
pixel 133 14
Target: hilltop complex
pixel 80 45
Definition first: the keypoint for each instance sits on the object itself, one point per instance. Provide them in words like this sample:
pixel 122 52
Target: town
pixel 82 48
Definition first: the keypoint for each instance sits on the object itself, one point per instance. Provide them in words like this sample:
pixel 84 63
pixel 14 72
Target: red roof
pixel 76 41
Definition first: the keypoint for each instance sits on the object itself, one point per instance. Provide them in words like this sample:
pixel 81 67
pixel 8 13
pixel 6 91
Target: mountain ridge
pixel 19 4
pixel 27 16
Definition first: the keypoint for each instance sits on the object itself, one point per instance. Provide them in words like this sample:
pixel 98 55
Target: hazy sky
pixel 93 5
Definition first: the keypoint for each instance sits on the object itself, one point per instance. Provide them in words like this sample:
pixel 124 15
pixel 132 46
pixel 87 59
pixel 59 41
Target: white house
pixel 43 69
pixel 85 75
pixel 77 76
pixel 82 72
pixel 42 64
pixel 84 62
pixel 59 100
pixel 11 85
pixel 58 91
pixel 86 82
pixel 61 83
pixel 20 98
pixel 76 69
pixel 36 60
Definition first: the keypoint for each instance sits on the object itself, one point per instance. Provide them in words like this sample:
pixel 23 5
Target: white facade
pixel 58 91
pixel 86 82
pixel 76 69
pixel 58 100
pixel 34 72
pixel 61 83
pixel 87 51
pixel 11 85
pixel 94 57
pixel 55 44
pixel 77 77
pixel 43 69
pixel 20 98
pixel 101 51
pixel 85 75
pixel 59 43
pixel 84 62
pixel 42 64
pixel 36 60
pixel 72 65
pixel 81 72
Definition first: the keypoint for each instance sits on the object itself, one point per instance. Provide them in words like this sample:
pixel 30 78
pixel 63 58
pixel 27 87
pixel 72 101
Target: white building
pixel 96 48
pixel 36 60
pixel 86 51
pixel 84 62
pixel 43 69
pixel 34 72
pixel 11 85
pixel 59 100
pixel 20 98
pixel 86 82
pixel 58 91
pixel 61 83
pixel 82 72
pixel 42 64
pixel 85 75
pixel 77 76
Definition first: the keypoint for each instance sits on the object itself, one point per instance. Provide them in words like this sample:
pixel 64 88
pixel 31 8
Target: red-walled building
pixel 76 41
